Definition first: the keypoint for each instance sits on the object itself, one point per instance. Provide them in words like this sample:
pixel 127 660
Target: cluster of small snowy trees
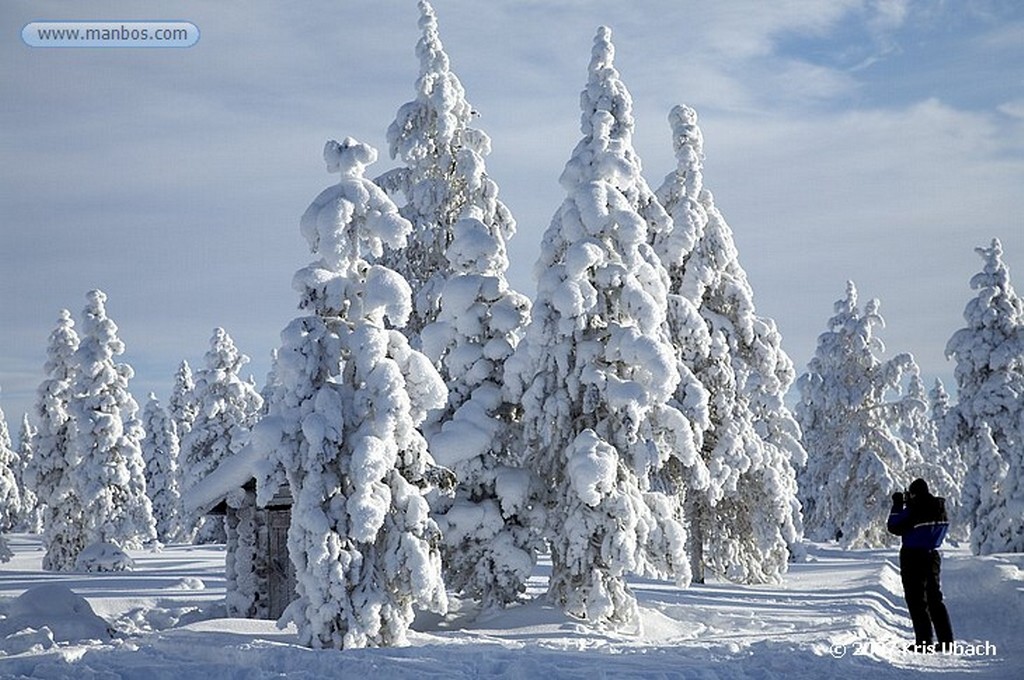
pixel 89 472
pixel 437 431
pixel 82 471
pixel 850 406
pixel 870 427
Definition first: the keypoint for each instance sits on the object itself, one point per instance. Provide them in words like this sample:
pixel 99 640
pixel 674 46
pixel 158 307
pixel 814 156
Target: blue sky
pixel 878 141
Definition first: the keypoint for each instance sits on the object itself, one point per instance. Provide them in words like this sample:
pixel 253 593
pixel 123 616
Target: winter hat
pixel 919 487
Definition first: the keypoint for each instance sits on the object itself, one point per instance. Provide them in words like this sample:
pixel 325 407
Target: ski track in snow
pixel 838 614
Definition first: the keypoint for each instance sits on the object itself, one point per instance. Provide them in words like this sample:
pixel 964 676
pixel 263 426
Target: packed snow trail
pixel 839 614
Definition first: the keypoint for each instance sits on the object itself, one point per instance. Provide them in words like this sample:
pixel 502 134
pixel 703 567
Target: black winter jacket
pixel 922 523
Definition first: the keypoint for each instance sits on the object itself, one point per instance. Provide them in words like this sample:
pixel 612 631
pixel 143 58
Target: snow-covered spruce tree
pixel 989 355
pixel 442 180
pixel 108 475
pixel 270 383
pixel 226 408
pixel 49 473
pixel 10 493
pixel 160 450
pixel 597 372
pixel 490 543
pixel 181 406
pixel 744 516
pixel 32 518
pixel 855 457
pixel 987 490
pixel 11 507
pixel 946 423
pixel 945 419
pixel 343 421
pixel 469 322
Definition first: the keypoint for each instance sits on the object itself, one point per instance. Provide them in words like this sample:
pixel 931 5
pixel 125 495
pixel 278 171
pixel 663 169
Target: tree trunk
pixel 695 515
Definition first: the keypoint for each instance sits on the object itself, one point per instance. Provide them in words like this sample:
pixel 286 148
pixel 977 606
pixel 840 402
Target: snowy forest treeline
pixel 439 430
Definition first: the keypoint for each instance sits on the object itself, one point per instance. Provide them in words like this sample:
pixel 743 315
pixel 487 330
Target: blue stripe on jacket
pixel 927 535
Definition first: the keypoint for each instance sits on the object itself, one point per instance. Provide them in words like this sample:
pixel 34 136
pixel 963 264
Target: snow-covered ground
pixel 838 614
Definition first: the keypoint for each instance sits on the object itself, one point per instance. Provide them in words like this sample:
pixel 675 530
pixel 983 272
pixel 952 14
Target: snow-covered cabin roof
pixel 254 461
pixel 233 473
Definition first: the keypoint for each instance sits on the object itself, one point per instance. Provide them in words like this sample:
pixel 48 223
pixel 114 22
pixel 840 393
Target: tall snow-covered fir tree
pixel 50 471
pixel 160 450
pixel 598 372
pixel 181 406
pixel 342 423
pixel 108 474
pixel 855 456
pixel 226 409
pixel 743 516
pixel 10 493
pixel 442 180
pixel 490 545
pixel 989 372
pixel 469 322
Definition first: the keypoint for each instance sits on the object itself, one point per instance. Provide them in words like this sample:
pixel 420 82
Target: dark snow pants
pixel 919 569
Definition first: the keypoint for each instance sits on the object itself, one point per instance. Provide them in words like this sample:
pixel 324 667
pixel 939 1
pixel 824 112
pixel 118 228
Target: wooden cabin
pixel 259 572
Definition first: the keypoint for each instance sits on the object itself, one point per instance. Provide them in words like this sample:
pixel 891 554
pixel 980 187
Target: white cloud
pixel 889 14
pixel 214 152
pixel 893 199
pixel 1014 108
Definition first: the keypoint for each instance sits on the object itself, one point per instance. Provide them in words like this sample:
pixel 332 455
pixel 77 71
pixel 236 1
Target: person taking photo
pixel 920 519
